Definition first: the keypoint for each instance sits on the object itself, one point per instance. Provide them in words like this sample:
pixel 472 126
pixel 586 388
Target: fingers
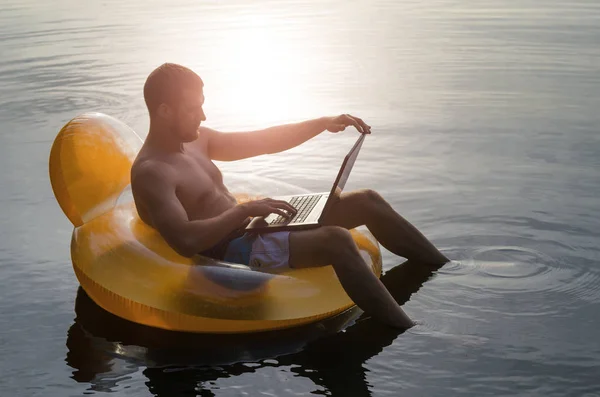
pixel 358 123
pixel 365 127
pixel 280 207
pixel 285 206
pixel 280 212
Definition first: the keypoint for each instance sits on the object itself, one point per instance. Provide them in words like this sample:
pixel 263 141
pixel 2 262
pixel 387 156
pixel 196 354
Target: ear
pixel 164 111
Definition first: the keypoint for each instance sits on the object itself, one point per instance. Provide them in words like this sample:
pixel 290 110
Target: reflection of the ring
pixel 102 347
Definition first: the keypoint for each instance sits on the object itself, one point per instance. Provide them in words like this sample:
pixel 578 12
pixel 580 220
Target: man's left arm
pixel 240 145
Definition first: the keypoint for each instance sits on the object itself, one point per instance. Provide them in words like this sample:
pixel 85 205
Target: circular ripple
pixel 513 263
pixel 457 268
pixel 511 269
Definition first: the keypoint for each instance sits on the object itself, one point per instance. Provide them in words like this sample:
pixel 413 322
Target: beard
pixel 185 133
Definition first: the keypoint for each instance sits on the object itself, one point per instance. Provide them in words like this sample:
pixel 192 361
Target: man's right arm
pixel 155 191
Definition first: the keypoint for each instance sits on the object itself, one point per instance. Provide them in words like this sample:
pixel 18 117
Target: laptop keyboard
pixel 304 205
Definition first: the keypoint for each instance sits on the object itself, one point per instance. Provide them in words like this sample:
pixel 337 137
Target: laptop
pixel 312 208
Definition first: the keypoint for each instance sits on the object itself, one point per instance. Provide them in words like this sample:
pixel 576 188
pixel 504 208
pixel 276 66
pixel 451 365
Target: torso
pixel 198 185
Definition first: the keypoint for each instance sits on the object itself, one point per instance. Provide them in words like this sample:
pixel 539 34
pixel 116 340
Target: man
pixel 180 192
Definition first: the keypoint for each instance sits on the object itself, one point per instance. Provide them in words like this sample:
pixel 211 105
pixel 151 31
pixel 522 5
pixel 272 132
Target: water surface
pixel 485 136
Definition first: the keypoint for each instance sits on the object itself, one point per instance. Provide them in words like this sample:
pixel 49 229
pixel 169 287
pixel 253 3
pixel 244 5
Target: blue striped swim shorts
pixel 268 252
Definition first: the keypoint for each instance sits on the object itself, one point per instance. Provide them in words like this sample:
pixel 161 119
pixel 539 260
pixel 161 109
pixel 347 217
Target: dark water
pixel 485 117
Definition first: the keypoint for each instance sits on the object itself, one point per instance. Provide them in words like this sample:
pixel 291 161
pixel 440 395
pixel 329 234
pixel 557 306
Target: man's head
pixel 174 97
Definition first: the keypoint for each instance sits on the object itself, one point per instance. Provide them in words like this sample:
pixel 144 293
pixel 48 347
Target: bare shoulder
pixel 206 132
pixel 148 174
pixel 204 136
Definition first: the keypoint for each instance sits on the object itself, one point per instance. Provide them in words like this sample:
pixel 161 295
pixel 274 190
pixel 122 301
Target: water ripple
pixel 508 269
pixel 63 101
pixel 500 271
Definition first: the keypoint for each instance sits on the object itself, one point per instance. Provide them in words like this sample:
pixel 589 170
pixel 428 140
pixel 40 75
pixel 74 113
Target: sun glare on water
pixel 259 76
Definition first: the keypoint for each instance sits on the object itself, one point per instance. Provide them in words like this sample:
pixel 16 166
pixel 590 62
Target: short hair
pixel 165 83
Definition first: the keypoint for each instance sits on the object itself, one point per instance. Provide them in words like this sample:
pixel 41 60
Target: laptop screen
pixel 348 164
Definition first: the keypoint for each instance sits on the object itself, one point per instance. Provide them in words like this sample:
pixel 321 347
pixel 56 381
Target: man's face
pixel 188 115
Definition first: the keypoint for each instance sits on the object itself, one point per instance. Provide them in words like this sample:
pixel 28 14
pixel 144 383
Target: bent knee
pixel 367 198
pixel 371 195
pixel 334 234
pixel 336 239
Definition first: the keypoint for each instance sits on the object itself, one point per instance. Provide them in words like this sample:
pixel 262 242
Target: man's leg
pixel 334 245
pixel 367 207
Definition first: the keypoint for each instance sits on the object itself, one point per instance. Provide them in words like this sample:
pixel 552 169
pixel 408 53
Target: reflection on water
pixel 103 349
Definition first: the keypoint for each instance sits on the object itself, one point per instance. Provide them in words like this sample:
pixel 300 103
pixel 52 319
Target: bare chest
pixel 200 188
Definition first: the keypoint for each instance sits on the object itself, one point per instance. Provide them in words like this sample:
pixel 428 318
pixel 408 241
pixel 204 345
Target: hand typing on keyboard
pixel 265 207
pixel 303 205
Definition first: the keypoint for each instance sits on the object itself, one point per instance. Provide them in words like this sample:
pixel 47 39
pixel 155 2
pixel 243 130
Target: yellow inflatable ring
pixel 129 270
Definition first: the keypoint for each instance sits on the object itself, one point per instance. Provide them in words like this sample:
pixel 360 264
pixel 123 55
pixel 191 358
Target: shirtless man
pixel 179 191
